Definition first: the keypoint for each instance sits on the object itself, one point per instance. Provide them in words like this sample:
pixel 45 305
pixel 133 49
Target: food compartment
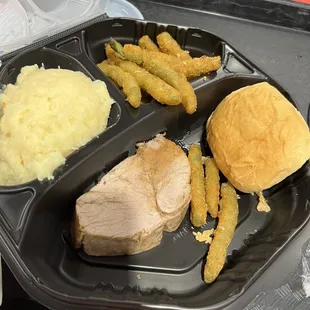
pixel 197 42
pixel 130 31
pixel 53 59
pixel 170 274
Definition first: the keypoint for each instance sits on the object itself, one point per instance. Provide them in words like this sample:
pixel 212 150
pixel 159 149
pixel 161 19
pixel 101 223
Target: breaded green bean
pixel 173 61
pixel 199 207
pixel 212 184
pixel 157 88
pixel 170 46
pixel 175 79
pixel 189 68
pixel 146 43
pixel 228 219
pixel 134 53
pixel 125 80
pixel 117 47
pixel 198 66
pixel 165 72
pixel 112 56
pixel 137 54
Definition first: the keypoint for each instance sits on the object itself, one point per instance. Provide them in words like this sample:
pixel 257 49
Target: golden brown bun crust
pixel 257 137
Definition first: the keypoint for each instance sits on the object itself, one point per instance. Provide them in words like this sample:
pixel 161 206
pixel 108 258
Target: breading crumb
pixel 138 276
pixel 204 236
pixel 262 205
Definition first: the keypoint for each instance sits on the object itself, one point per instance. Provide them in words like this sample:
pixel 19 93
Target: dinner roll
pixel 257 137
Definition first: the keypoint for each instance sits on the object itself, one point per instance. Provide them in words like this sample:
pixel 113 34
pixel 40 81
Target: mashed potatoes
pixel 47 115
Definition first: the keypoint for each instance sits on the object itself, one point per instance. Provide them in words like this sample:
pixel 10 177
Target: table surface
pixel 285 54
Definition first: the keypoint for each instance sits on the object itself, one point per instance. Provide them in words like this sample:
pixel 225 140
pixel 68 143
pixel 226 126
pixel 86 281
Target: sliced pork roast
pixel 131 206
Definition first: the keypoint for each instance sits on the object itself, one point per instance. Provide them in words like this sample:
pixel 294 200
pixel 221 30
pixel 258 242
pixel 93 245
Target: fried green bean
pixel 137 54
pixel 198 66
pixel 199 208
pixel 174 62
pixel 112 56
pixel 170 46
pixel 212 185
pixel 189 68
pixel 125 80
pixel 164 71
pixel 134 53
pixel 228 219
pixel 157 88
pixel 146 43
pixel 116 46
pixel 175 79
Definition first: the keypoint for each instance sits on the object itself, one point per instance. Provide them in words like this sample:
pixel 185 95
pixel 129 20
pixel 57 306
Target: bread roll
pixel 257 137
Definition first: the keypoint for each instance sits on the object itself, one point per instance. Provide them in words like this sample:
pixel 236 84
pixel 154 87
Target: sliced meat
pixel 127 212
pixel 169 171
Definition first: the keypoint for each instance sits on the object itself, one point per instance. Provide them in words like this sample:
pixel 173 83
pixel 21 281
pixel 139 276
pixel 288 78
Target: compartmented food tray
pixel 35 217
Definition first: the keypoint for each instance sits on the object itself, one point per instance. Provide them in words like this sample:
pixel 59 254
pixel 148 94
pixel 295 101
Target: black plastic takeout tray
pixel 35 217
